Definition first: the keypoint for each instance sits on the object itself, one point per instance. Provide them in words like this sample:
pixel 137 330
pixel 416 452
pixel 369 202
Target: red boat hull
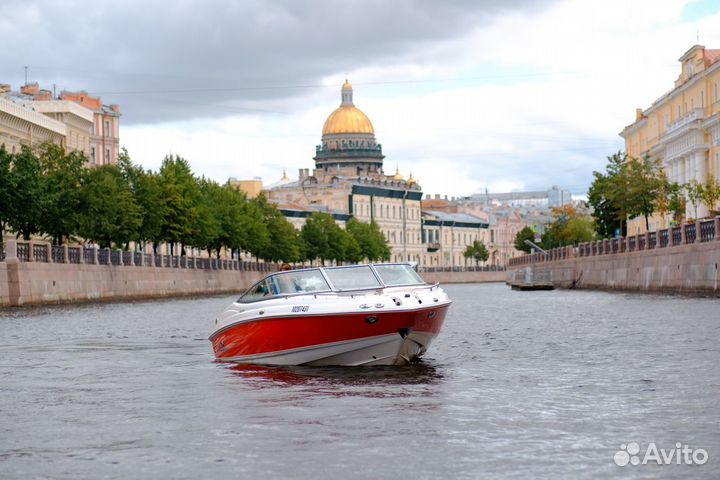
pixel 266 336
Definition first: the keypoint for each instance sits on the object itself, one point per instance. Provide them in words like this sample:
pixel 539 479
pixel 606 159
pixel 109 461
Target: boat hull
pixel 365 338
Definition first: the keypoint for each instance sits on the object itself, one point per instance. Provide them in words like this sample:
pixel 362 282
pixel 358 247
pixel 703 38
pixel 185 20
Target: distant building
pixel 87 125
pixel 105 138
pixel 23 126
pixel 447 236
pixel 682 129
pixel 553 197
pixel 251 188
pixel 349 180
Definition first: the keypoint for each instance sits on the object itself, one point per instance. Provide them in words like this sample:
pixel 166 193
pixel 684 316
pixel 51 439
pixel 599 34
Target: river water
pixel 518 385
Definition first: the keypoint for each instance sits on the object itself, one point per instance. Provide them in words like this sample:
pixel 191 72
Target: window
pixel 107 128
pixel 352 278
pixel 303 281
pixel 702 99
pixel 92 155
pixel 107 155
pixel 392 275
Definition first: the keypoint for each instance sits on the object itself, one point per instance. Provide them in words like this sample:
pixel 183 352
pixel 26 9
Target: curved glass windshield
pixel 352 278
pixel 395 275
pixel 287 283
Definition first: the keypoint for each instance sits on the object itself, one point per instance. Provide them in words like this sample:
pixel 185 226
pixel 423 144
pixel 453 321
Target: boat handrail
pixel 428 287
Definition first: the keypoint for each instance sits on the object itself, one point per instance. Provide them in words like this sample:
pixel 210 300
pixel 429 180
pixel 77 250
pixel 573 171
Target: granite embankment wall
pixel 45 283
pixel 683 259
pixel 35 274
pixel 463 277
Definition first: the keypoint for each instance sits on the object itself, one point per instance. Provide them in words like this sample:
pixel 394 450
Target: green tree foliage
pixel 5 188
pixel 62 175
pixel 607 196
pixel 54 193
pixel 26 183
pixel 370 239
pixel 256 236
pixel 646 181
pixel 711 194
pixel 525 234
pixel 629 188
pixel 325 240
pixel 284 244
pixel 145 188
pixel 694 193
pixel 180 199
pixel 316 237
pixel 108 212
pixel 477 251
pixel 568 228
pixel 212 213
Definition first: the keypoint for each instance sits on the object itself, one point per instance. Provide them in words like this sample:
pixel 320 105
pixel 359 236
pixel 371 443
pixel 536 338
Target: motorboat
pixel 376 314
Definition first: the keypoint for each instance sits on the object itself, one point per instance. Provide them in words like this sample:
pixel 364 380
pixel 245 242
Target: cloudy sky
pixel 468 95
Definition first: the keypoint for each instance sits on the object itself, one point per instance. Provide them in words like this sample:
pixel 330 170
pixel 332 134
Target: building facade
pixel 348 179
pixel 22 126
pixel 105 137
pixel 88 125
pixel 682 129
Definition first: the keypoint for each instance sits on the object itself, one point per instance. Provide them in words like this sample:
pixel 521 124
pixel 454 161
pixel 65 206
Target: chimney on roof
pixel 115 107
pixel 638 114
pixel 5 87
pixel 301 174
pixel 437 196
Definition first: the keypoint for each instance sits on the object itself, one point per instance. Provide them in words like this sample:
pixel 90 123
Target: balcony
pixel 433 247
pixel 691 116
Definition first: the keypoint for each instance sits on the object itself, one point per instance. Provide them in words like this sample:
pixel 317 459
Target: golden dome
pixel 347 119
pixel 411 180
pixel 397 175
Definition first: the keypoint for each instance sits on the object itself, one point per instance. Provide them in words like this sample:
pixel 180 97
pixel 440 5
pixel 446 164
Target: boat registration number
pixel 300 308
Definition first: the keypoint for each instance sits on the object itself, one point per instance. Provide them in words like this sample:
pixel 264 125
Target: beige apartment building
pixel 78 122
pixel 22 126
pixel 682 128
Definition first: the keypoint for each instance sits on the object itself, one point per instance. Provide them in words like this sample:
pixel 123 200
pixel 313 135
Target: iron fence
pixel 58 254
pixel 88 255
pixel 40 253
pixel 74 255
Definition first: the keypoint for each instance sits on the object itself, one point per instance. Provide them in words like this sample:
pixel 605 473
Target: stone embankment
pixel 38 273
pixel 33 274
pixel 681 259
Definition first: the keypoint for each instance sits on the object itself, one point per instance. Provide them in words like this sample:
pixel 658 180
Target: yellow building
pixel 251 188
pixel 682 128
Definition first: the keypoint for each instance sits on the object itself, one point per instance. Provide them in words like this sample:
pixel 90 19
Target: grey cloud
pixel 209 57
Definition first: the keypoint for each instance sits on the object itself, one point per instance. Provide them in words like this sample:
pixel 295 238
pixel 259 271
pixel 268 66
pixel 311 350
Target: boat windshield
pixel 286 283
pixel 396 275
pixel 352 278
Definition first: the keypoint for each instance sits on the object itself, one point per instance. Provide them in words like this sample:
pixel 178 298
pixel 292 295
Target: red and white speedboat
pixel 359 315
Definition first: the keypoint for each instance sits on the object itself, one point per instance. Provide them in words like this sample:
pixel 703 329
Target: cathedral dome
pixel 347 118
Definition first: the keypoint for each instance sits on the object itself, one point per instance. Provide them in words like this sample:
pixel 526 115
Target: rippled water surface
pixel 518 385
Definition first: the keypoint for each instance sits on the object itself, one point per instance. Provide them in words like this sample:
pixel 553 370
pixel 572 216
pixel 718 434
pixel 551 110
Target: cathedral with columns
pixel 349 181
